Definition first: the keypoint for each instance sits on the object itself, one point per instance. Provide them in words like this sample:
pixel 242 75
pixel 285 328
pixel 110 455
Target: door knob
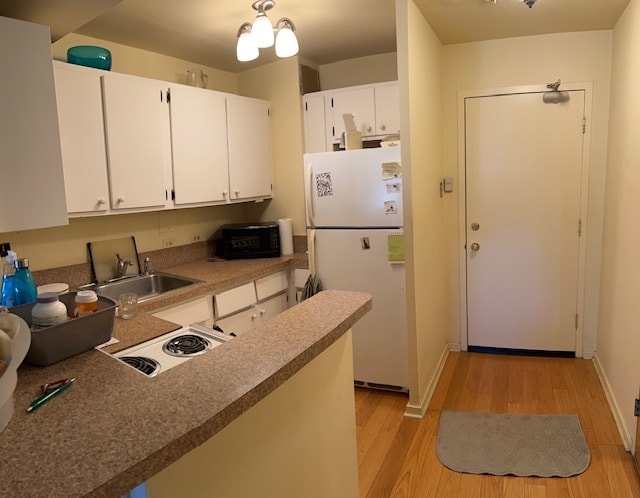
pixel 475 226
pixel 475 246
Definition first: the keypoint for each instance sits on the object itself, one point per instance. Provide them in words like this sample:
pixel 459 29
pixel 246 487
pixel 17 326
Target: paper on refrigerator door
pixel 395 241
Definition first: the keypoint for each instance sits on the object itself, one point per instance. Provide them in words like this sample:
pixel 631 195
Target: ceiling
pixel 204 31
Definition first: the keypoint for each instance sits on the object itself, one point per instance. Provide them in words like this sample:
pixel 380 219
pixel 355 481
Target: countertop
pixel 115 428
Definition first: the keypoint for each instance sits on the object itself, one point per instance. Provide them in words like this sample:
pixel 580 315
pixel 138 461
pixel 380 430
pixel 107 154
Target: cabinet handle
pixel 101 201
pixel 383 127
pixel 225 194
pixel 120 200
pixel 262 311
pixel 368 128
pixel 254 316
pixel 237 192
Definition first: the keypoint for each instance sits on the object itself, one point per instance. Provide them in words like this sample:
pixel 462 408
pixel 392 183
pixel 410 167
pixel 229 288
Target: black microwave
pixel 253 240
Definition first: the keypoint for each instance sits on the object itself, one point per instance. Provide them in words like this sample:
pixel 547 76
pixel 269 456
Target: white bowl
pixel 19 347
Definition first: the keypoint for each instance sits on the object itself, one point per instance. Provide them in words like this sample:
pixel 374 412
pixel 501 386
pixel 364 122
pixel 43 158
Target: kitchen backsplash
pixel 79 274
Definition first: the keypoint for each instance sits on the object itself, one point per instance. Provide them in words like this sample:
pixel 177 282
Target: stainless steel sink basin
pixel 145 286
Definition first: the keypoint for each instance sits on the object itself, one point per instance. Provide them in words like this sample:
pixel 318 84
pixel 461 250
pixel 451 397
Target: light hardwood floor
pixel 397 455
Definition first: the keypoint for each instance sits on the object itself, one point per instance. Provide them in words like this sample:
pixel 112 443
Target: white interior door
pixel 523 177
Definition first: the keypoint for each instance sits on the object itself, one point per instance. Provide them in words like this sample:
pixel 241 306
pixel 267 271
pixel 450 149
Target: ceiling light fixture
pixel 251 38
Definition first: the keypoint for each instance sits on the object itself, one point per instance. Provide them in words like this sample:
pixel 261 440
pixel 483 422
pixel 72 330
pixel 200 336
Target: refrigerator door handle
pixel 309 195
pixel 312 251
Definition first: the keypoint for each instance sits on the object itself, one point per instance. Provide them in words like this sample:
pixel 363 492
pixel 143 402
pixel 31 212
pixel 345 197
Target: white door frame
pixel 584 197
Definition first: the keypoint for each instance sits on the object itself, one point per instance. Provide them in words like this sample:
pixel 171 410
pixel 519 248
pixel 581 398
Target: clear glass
pixel 128 305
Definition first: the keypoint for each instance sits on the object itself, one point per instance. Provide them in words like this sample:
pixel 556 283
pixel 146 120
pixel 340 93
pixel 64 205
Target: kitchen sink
pixel 146 286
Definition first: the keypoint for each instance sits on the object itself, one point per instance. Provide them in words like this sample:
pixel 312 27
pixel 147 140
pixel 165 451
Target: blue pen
pixel 43 399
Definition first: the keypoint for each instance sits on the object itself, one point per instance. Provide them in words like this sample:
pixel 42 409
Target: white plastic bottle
pixel 48 311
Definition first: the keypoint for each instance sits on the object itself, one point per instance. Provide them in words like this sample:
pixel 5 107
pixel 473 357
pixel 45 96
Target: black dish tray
pixel 76 335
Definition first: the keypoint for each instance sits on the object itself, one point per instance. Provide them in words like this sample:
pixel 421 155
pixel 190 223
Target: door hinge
pixel 173 195
pixel 333 131
pixel 579 228
pixel 332 102
pixel 636 408
pixel 577 320
pixel 584 124
pixel 306 106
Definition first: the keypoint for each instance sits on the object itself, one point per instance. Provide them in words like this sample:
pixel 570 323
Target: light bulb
pixel 246 50
pixel 286 41
pixel 262 31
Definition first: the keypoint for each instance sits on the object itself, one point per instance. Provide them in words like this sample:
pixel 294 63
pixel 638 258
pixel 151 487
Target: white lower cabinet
pixel 242 308
pixel 196 311
pixel 236 310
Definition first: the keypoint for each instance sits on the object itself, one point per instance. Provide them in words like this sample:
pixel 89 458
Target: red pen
pixel 54 385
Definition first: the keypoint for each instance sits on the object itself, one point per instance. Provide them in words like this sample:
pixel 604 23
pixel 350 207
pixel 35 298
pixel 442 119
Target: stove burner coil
pixel 145 365
pixel 186 345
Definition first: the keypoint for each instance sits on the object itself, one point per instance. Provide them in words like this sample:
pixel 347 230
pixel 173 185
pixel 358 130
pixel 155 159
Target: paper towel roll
pixel 285 228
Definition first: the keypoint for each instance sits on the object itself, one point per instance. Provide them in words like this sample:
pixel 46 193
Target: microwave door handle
pixel 309 195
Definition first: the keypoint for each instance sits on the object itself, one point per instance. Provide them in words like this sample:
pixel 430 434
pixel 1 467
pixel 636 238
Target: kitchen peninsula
pixel 262 396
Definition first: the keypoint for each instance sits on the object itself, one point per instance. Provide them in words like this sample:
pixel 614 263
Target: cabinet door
pixel 232 300
pixel 358 102
pixel 32 188
pixel 196 311
pixel 249 139
pixel 387 110
pixel 272 307
pixel 315 138
pixel 138 141
pixel 199 145
pixel 84 158
pixel 239 323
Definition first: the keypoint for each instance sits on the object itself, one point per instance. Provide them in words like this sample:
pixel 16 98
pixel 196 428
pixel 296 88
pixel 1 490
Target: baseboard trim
pixel 419 411
pixel 627 440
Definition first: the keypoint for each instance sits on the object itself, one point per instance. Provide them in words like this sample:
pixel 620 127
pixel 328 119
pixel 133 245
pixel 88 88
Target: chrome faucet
pixel 145 266
pixel 121 266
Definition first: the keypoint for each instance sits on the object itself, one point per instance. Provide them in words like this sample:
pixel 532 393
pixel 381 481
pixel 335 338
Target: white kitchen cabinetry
pixel 138 141
pixel 247 306
pixel 387 109
pixel 199 145
pixel 32 191
pixel 249 141
pixel 315 137
pixel 360 103
pixel 84 157
pixel 375 109
pixel 197 311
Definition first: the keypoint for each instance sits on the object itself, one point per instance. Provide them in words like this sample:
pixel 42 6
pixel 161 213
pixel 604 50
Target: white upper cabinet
pixel 359 103
pixel 249 140
pixel 314 125
pixel 32 188
pixel 84 158
pixel 138 141
pixel 387 109
pixel 199 145
pixel 375 109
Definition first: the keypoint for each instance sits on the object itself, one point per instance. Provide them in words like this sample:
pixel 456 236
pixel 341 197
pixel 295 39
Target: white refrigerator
pixel 354 230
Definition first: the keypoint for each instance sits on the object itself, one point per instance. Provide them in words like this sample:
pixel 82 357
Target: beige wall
pixel 619 337
pixel 278 83
pixel 420 84
pixel 147 64
pixel 359 71
pixel 533 60
pixel 297 442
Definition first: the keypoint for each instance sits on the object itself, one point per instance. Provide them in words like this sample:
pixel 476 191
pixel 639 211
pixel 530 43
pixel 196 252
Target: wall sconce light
pixel 260 34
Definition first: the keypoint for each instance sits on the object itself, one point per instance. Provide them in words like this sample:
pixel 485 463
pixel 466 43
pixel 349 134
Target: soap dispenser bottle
pixel 24 290
pixel 8 272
